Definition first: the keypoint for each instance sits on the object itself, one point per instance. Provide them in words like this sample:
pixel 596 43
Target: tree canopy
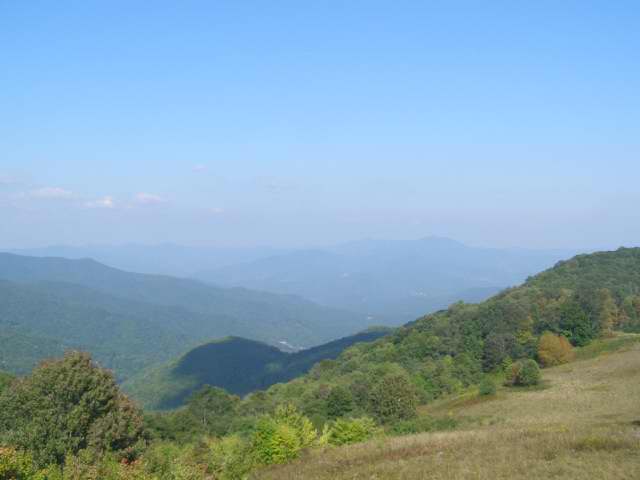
pixel 68 405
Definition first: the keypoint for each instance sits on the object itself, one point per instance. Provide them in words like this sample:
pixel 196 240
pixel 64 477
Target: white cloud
pixel 199 168
pixel 104 202
pixel 148 198
pixel 51 193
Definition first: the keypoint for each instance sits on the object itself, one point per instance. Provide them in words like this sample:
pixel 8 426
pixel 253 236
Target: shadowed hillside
pixel 236 364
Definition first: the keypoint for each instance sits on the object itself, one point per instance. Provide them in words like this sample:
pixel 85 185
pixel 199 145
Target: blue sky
pixel 304 123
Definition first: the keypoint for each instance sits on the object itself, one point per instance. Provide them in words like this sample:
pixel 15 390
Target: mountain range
pixel 290 299
pixel 162 259
pixel 398 278
pixel 391 280
pixel 131 320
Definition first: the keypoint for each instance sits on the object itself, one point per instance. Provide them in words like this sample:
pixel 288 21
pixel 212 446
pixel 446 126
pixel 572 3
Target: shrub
pixel 230 458
pixel 524 373
pixel 85 466
pixel 160 459
pixel 281 437
pixel 529 373
pixel 343 432
pixel 289 415
pixel 274 443
pixel 393 398
pixel 512 374
pixel 487 387
pixel 554 350
pixel 17 466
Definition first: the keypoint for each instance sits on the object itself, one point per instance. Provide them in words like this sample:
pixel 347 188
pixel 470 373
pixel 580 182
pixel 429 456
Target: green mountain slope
pixel 236 364
pixel 5 380
pixel 38 323
pixel 130 321
pixel 447 351
pixel 263 316
pixel 582 424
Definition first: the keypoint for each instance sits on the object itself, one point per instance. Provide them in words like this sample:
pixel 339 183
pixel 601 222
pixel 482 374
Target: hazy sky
pixel 295 123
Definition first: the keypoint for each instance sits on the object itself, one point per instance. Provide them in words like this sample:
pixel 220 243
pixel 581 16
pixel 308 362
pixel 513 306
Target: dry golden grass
pixel 585 424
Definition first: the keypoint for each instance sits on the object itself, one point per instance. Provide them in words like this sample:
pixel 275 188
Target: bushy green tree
pixel 339 402
pixel 524 373
pixel 393 398
pixel 497 347
pixel 213 409
pixel 576 325
pixel 487 386
pixel 68 405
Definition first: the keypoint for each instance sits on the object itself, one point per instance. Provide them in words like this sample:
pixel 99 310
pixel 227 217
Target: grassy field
pixel 582 423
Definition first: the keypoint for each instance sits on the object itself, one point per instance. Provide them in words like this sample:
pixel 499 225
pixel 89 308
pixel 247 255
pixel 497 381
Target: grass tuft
pixel 605 444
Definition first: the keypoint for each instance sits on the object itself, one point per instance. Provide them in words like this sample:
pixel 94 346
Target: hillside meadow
pixel 582 422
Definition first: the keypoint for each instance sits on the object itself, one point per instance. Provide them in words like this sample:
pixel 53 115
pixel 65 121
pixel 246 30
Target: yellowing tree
pixel 554 350
pixel 608 311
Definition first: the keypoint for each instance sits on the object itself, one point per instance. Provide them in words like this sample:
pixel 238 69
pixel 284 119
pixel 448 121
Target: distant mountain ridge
pixel 401 278
pixel 161 259
pixel 392 280
pixel 55 303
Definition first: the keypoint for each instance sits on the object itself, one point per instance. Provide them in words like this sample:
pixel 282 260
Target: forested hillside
pixel 39 321
pixel 235 364
pixel 5 380
pixel 580 299
pixel 129 321
pixel 582 422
